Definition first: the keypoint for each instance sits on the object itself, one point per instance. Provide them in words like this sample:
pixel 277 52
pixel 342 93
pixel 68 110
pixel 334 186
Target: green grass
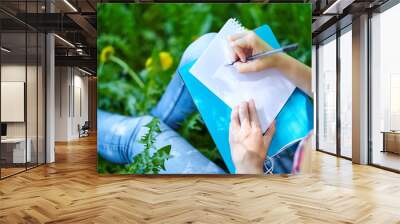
pixel 138 32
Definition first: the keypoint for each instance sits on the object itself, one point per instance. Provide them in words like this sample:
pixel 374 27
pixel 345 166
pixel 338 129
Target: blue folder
pixel 294 121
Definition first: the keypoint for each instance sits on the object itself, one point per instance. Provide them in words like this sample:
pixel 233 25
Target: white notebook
pixel 269 88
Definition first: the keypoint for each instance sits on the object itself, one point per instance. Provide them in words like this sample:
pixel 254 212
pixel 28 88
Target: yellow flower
pixel 194 37
pixel 165 60
pixel 106 53
pixel 149 62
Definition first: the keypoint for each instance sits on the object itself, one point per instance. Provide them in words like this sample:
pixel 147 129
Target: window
pixel 394 102
pixel 327 96
pixel 346 92
pixel 22 78
pixel 385 89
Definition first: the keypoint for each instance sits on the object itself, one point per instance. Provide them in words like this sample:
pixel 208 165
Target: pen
pixel 290 47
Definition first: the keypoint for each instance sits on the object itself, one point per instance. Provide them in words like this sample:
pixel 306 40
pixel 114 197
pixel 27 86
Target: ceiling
pixel 331 15
pixel 75 22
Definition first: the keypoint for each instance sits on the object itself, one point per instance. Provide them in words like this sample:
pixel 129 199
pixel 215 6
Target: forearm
pixel 298 73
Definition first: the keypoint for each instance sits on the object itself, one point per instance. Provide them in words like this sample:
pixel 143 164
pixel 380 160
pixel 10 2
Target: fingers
pixel 246 44
pixel 250 66
pixel 254 121
pixel 241 45
pixel 248 117
pixel 244 115
pixel 240 48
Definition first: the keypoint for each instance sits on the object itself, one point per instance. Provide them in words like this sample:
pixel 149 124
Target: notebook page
pixel 269 88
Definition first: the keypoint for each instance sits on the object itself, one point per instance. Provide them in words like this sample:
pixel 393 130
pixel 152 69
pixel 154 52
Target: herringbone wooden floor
pixel 70 191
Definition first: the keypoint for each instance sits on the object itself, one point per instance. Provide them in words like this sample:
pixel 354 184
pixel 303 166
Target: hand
pixel 247 44
pixel 248 144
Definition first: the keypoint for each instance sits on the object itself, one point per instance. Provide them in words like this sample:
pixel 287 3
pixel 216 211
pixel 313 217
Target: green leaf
pixel 140 31
pixel 149 138
pixel 144 163
pixel 161 156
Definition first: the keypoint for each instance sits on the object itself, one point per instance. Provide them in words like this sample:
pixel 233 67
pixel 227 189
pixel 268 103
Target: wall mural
pixel 204 88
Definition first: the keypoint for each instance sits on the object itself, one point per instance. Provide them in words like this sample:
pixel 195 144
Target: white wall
pixel 13 100
pixel 33 127
pixel 80 94
pixel 71 93
pixel 62 81
pixel 16 73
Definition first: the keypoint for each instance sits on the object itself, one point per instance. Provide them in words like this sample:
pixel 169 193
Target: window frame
pixel 333 37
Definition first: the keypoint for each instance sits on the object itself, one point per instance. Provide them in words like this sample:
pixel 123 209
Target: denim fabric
pixel 118 135
pixel 176 103
pixel 118 142
pixel 281 163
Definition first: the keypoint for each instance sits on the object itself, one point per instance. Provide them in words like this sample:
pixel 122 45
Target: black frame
pixel 317 91
pixel 44 101
pixel 338 98
pixel 339 32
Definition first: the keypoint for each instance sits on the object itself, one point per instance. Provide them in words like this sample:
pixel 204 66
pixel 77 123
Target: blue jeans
pixel 118 135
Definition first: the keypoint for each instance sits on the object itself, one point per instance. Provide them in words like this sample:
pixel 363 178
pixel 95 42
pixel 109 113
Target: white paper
pixel 269 88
